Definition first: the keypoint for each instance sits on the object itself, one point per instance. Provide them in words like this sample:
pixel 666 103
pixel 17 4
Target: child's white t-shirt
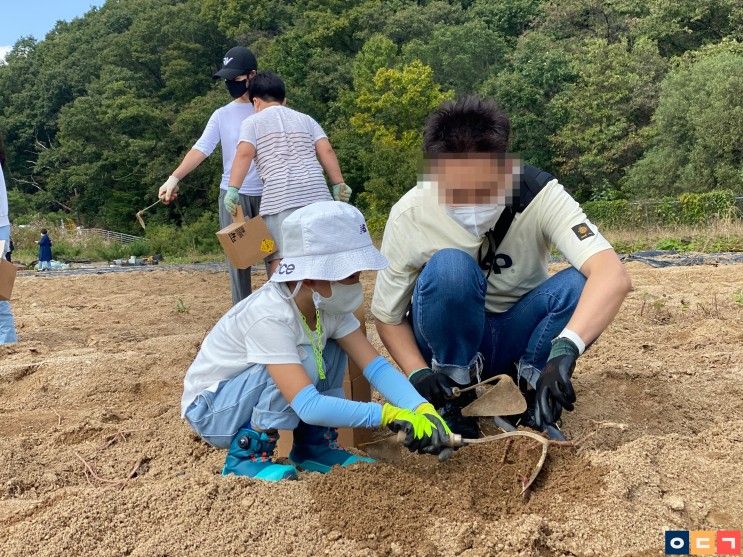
pixel 264 328
pixel 224 127
pixel 284 141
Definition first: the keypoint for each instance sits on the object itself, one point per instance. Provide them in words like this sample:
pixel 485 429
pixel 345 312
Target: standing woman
pixel 45 251
pixel 7 326
pixel 238 67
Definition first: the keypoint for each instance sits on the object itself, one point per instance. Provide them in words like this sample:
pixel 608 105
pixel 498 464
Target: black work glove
pixel 554 389
pixel 434 386
pixel 441 433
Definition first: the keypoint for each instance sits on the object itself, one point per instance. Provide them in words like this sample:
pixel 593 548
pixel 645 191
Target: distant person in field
pixel 291 150
pixel 223 127
pixel 7 325
pixel 277 359
pixel 467 294
pixel 45 251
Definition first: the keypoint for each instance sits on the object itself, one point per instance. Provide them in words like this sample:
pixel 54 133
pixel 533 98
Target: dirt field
pixel 97 380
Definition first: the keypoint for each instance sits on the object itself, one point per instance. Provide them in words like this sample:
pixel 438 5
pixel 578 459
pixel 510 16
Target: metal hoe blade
pixel 139 214
pixel 502 399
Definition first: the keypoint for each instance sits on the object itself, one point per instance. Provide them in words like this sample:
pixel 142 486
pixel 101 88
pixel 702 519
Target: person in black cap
pixel 238 68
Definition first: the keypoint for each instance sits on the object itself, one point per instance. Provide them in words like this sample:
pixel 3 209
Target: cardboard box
pixel 356 387
pixel 7 275
pixel 246 242
pixel 286 438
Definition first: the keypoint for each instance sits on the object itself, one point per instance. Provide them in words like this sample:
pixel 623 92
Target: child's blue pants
pixel 253 399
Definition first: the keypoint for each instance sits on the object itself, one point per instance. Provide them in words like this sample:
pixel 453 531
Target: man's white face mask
pixel 475 219
pixel 474 191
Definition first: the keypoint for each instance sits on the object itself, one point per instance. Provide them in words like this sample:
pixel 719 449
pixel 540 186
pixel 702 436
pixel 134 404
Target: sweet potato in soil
pixel 94 459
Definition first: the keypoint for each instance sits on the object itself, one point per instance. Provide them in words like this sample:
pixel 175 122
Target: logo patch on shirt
pixel 582 231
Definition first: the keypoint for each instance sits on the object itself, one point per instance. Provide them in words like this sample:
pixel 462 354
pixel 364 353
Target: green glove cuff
pixel 389 413
pixel 410 377
pixel 562 346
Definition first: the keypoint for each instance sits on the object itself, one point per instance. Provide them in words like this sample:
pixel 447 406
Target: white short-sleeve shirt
pixel 284 142
pixel 418 227
pixel 264 328
pixel 224 127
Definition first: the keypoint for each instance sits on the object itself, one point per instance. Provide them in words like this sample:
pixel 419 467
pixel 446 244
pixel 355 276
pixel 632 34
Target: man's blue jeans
pixel 451 325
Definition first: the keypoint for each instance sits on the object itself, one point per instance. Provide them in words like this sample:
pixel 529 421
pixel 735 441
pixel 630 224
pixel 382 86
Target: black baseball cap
pixel 238 61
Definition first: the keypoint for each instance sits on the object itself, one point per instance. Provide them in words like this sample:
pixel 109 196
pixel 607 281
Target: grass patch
pixel 194 243
pixel 197 243
pixel 719 235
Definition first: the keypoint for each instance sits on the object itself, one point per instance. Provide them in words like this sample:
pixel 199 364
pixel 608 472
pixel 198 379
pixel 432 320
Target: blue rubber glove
pixel 231 199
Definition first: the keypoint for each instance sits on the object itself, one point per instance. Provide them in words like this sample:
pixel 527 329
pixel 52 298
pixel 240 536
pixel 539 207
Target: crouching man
pixel 276 360
pixel 467 295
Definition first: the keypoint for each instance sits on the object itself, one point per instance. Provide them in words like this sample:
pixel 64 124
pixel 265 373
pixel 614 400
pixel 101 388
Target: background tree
pixel 619 98
pixel 697 130
pixel 603 114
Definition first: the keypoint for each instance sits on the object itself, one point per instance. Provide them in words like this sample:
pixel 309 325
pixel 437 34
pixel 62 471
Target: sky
pixel 19 18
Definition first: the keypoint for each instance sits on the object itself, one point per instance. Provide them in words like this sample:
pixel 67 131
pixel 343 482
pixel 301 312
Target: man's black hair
pixel 43 231
pixel 268 87
pixel 467 125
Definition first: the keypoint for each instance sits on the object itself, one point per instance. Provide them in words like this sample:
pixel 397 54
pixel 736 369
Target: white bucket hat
pixel 327 240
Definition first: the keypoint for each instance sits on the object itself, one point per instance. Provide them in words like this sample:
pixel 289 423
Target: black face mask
pixel 237 88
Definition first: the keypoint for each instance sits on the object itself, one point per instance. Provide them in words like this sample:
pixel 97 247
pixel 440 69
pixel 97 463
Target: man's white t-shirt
pixel 4 219
pixel 224 127
pixel 418 227
pixel 284 142
pixel 264 328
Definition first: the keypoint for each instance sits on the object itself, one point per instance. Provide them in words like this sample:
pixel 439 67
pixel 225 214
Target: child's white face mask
pixel 344 298
pixel 475 219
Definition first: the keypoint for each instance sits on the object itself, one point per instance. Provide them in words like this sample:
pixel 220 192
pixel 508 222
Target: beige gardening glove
pixel 169 190
pixel 342 192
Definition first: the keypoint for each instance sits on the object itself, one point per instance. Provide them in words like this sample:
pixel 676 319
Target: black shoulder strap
pixel 531 182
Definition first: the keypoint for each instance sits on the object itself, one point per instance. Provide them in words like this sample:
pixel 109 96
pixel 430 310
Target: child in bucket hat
pixel 276 360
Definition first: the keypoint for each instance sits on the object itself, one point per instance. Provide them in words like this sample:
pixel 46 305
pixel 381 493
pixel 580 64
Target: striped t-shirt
pixel 284 141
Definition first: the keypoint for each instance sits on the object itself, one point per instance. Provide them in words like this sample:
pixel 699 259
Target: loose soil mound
pixel 94 459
